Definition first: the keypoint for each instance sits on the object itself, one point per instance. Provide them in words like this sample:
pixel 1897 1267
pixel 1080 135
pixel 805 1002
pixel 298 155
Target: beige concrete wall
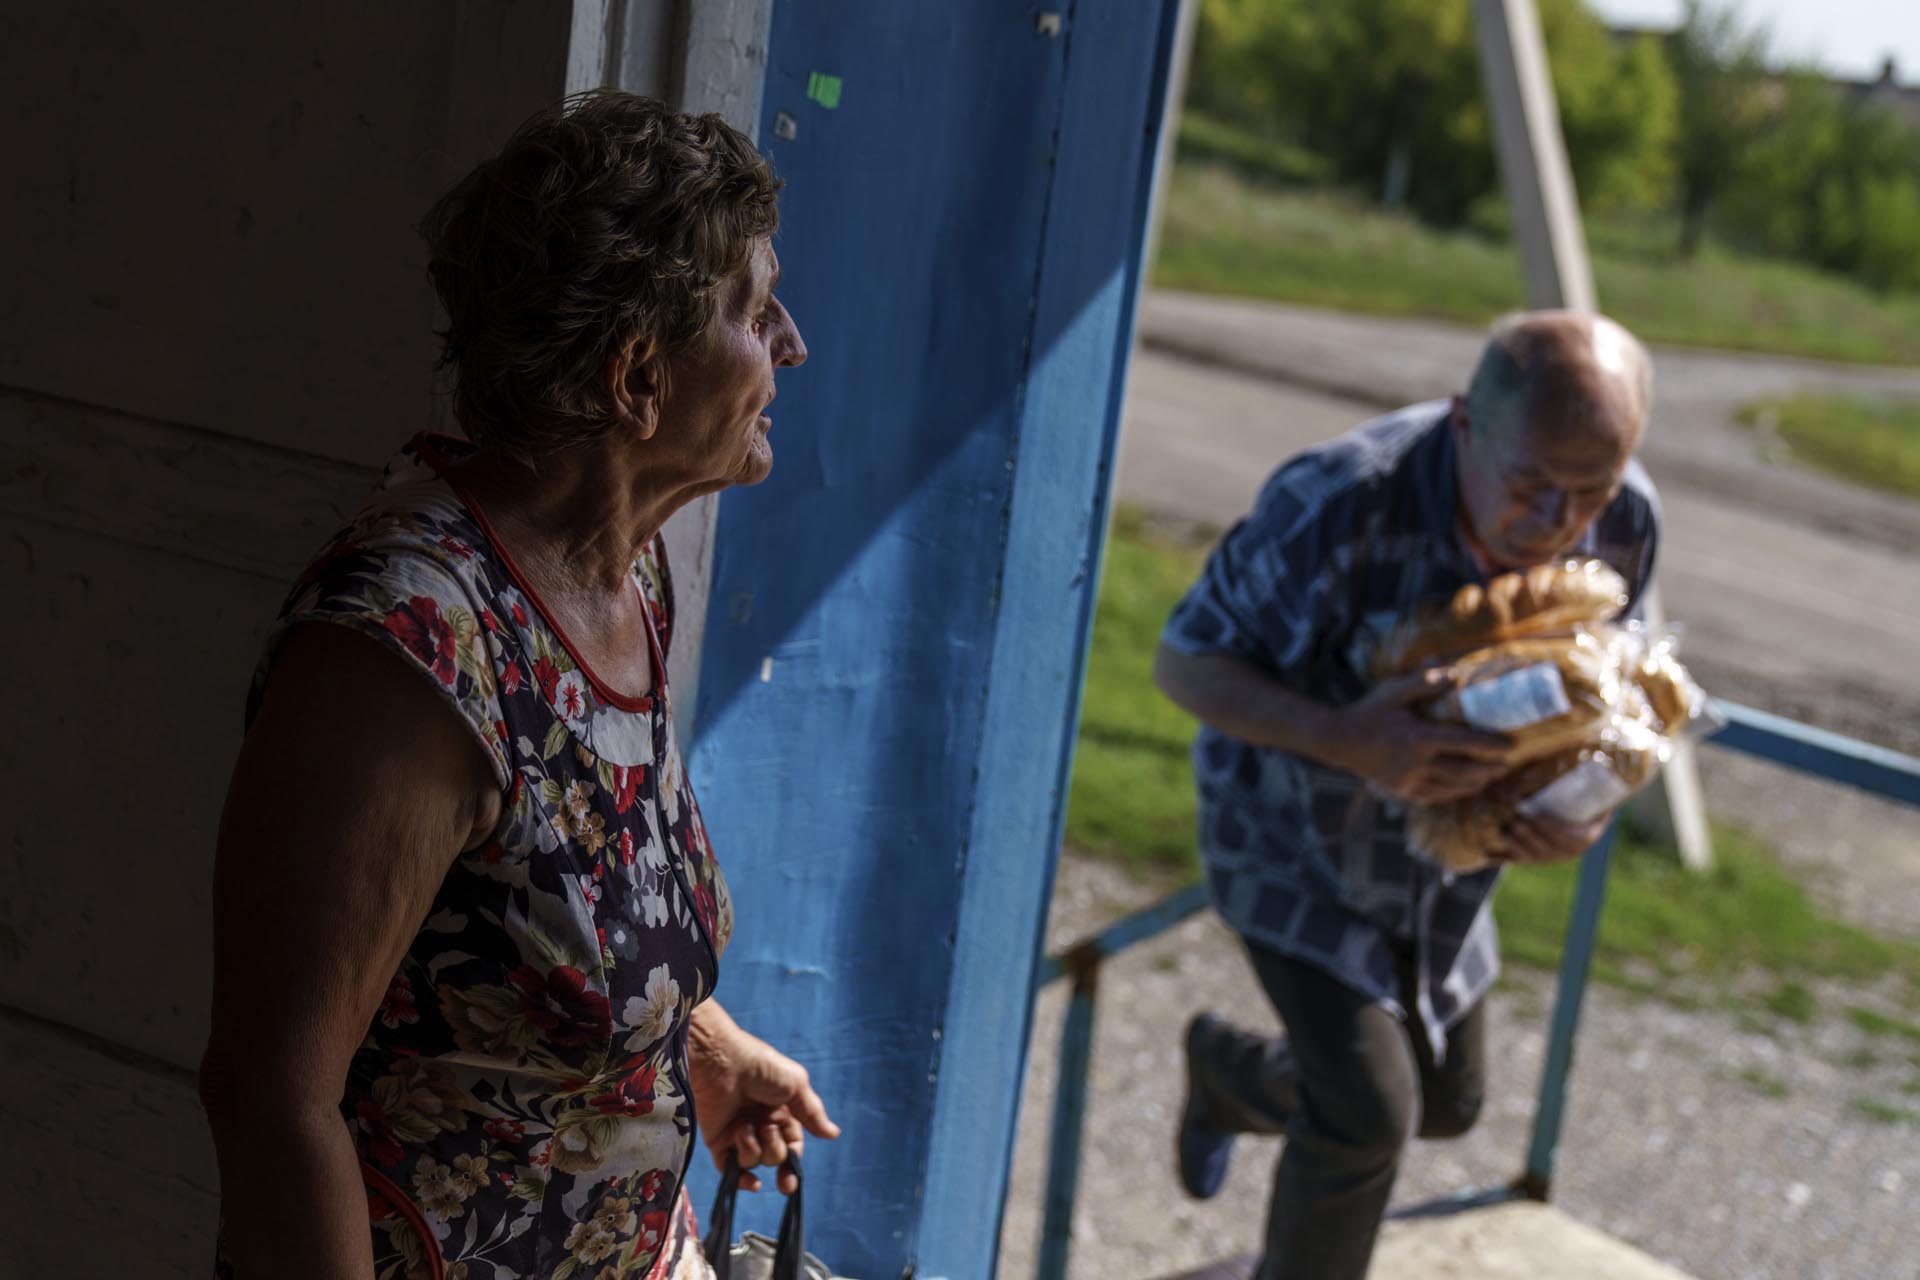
pixel 215 325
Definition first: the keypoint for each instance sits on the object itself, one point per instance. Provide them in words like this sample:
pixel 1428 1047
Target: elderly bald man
pixel 1376 959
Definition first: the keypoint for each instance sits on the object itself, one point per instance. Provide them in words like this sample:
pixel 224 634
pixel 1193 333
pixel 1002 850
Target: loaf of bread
pixel 1573 785
pixel 1674 698
pixel 1541 601
pixel 1588 707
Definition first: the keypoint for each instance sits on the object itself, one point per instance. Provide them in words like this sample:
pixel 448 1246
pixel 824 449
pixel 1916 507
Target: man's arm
pixel 1380 738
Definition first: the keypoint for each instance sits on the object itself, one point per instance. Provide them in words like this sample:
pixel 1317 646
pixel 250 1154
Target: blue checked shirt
pixel 1344 541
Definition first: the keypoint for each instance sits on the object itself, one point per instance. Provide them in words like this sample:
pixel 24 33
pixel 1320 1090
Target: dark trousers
pixel 1349 1085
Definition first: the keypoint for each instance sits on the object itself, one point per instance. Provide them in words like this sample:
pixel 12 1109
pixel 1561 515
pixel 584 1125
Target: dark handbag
pixel 754 1257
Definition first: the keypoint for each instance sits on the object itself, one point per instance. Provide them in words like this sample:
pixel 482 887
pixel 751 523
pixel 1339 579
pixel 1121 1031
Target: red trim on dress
pixel 442 467
pixel 381 1185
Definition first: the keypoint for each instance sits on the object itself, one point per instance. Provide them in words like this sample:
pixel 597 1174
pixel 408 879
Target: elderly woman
pixel 467 921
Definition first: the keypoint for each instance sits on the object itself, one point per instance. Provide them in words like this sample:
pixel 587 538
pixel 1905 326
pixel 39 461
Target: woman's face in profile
pixel 714 416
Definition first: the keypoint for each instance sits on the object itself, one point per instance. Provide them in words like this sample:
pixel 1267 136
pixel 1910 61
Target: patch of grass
pixel 1746 915
pixel 1883 1112
pixel 1224 233
pixel 1132 792
pixel 1204 139
pixel 1666 933
pixel 1875 1023
pixel 1762 1082
pixel 1858 1060
pixel 1792 1001
pixel 1874 443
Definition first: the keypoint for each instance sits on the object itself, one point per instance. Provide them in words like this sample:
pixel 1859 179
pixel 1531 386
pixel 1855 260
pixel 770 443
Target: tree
pixel 1827 180
pixel 1719 68
pixel 1362 82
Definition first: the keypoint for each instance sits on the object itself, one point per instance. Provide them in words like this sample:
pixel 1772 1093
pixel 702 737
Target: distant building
pixel 1883 90
pixel 1886 90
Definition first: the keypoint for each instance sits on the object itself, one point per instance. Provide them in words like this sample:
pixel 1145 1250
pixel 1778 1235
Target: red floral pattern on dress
pixel 530 1051
pixel 561 1005
pixel 632 1097
pixel 417 625
pixel 396 1006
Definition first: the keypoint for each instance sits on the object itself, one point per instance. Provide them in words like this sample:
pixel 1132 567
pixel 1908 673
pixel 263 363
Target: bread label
pixel 1515 700
pixel 1581 794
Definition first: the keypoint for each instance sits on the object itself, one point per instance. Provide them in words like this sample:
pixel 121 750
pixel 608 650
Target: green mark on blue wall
pixel 824 89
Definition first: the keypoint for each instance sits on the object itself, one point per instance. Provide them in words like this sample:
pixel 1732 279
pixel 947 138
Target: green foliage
pixel 1357 80
pixel 1780 163
pixel 1203 138
pixel 1830 181
pixel 1719 67
pixel 1874 443
pixel 1225 235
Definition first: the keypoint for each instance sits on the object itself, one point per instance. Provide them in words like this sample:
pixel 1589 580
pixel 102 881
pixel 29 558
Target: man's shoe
pixel 1203 1151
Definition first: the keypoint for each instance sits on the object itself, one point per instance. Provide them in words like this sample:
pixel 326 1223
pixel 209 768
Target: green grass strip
pixel 1225 232
pixel 1874 443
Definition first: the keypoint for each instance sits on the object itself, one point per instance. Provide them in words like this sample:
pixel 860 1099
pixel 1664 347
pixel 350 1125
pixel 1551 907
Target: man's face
pixel 1530 485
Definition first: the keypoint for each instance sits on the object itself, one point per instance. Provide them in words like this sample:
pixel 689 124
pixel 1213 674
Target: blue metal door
pixel 899 613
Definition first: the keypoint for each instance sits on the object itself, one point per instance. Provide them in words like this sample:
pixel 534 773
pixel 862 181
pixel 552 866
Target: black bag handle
pixel 790 1253
pixel 718 1245
pixel 790 1250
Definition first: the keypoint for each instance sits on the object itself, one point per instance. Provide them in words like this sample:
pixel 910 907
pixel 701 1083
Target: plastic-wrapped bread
pixel 1542 695
pixel 1575 785
pixel 1590 707
pixel 1676 700
pixel 1541 601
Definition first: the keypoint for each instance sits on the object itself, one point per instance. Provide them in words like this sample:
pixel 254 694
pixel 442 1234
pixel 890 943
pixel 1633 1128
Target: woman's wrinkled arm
pixel 753 1101
pixel 354 791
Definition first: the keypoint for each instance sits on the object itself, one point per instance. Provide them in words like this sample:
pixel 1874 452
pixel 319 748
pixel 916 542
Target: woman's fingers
pixel 746 1145
pixel 811 1112
pixel 773 1144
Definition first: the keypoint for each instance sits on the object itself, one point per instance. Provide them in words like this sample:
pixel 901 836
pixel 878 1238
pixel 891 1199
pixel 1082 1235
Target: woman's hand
pixel 753 1101
pixel 1543 840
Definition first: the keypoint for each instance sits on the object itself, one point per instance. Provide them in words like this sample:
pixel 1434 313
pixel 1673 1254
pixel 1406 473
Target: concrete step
pixel 1519 1241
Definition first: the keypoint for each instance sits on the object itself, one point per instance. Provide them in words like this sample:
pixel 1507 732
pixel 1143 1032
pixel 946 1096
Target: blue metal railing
pixel 1756 733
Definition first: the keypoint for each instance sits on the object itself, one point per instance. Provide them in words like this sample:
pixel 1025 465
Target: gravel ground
pixel 1731 1150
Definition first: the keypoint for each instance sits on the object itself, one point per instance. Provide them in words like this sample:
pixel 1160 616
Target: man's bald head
pixel 1546 431
pixel 1560 370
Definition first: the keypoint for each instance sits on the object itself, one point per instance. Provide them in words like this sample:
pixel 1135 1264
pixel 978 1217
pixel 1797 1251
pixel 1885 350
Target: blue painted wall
pixel 899 614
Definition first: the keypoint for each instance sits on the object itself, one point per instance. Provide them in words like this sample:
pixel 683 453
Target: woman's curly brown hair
pixel 604 218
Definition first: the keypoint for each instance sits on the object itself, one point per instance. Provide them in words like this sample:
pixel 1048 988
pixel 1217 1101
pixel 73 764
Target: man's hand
pixel 1539 840
pixel 752 1100
pixel 1383 740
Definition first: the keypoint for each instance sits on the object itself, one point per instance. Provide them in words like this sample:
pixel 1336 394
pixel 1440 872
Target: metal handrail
pixel 1803 748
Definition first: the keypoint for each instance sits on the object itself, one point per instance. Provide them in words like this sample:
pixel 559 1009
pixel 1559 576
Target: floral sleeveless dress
pixel 521 1103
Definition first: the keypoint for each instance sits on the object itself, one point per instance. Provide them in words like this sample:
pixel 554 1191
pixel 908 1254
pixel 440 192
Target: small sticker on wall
pixel 824 89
